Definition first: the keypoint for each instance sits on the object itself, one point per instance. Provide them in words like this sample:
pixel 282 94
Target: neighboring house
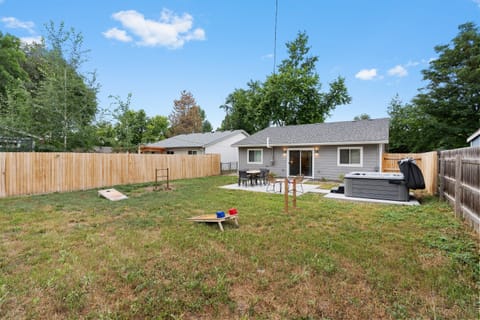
pixel 474 139
pixel 318 151
pixel 200 143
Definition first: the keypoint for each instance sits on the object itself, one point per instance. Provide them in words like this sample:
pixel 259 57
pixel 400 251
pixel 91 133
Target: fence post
pixel 294 194
pixel 441 178
pixel 458 185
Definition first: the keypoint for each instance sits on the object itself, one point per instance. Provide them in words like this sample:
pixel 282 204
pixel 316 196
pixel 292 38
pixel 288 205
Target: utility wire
pixel 275 39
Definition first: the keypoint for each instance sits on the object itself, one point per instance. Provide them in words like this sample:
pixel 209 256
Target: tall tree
pixel 291 96
pixel 406 125
pixel 186 115
pixel 243 109
pixel 447 110
pixel 156 129
pixel 452 95
pixel 14 98
pixel 11 60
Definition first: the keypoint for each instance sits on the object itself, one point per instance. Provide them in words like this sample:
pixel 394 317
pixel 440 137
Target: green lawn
pixel 76 255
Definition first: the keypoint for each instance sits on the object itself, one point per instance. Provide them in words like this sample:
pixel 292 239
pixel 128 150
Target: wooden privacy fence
pixel 37 173
pixel 460 182
pixel 427 162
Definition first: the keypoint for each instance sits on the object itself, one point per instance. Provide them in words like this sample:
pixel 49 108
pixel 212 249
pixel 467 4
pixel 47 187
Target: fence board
pixel 427 162
pixel 460 182
pixel 24 173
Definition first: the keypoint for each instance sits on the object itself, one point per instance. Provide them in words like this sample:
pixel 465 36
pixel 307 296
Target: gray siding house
pixel 317 151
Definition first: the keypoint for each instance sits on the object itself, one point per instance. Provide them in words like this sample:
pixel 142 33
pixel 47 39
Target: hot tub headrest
pixel 412 173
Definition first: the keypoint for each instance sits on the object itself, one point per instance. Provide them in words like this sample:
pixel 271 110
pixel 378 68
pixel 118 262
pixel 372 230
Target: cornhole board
pixel 213 218
pixel 112 194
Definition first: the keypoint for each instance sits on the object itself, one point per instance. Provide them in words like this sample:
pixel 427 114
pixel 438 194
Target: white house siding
pixel 225 149
pixel 475 142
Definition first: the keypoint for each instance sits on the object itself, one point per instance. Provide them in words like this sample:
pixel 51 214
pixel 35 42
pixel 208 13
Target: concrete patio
pixel 315 189
pixel 263 188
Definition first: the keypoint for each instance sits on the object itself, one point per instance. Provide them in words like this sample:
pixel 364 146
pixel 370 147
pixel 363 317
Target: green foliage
pixel 131 128
pixel 156 129
pixel 48 98
pixel 243 111
pixel 11 60
pixel 363 116
pixel 291 96
pixel 447 110
pixel 407 124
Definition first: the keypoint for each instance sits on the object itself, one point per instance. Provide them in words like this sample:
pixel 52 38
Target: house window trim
pixel 248 156
pixel 192 152
pixel 350 164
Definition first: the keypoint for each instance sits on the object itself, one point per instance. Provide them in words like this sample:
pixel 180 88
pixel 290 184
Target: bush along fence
pixel 25 173
pixel 427 162
pixel 460 182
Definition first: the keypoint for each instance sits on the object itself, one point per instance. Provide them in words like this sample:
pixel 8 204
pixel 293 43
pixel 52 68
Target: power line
pixel 275 39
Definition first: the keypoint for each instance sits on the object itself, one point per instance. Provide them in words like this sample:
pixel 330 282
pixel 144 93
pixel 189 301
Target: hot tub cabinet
pixel 376 185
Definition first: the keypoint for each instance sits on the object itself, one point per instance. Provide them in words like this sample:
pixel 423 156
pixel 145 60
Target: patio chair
pixel 243 177
pixel 262 177
pixel 298 181
pixel 271 182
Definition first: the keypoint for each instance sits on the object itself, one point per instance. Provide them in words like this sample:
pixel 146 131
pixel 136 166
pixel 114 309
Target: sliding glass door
pixel 300 162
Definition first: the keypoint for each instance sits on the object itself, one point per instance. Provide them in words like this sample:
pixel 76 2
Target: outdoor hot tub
pixel 376 185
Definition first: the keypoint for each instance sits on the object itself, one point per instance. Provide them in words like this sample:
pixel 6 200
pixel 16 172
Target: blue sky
pixel 156 49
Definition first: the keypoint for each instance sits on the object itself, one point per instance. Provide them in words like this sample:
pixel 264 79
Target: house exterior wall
pixel 185 150
pixel 272 160
pixel 475 142
pixel 325 162
pixel 225 149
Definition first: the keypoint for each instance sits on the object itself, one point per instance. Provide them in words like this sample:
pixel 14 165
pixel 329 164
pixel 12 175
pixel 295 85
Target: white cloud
pixel 398 71
pixel 366 74
pixel 171 30
pixel 267 56
pixel 31 40
pixel 14 23
pixel 117 34
pixel 412 64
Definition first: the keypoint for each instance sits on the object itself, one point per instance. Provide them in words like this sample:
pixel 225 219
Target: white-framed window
pixel 170 152
pixel 350 156
pixel 255 156
pixel 192 152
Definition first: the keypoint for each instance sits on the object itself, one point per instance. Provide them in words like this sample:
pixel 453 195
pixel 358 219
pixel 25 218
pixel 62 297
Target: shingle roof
pixel 197 140
pixel 345 132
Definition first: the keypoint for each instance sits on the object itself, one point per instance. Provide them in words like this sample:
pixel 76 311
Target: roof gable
pixel 345 132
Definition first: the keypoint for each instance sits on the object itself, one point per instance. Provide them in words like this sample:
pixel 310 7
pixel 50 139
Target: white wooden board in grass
pixel 112 194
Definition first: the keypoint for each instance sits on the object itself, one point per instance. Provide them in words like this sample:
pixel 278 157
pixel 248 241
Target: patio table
pixel 253 175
